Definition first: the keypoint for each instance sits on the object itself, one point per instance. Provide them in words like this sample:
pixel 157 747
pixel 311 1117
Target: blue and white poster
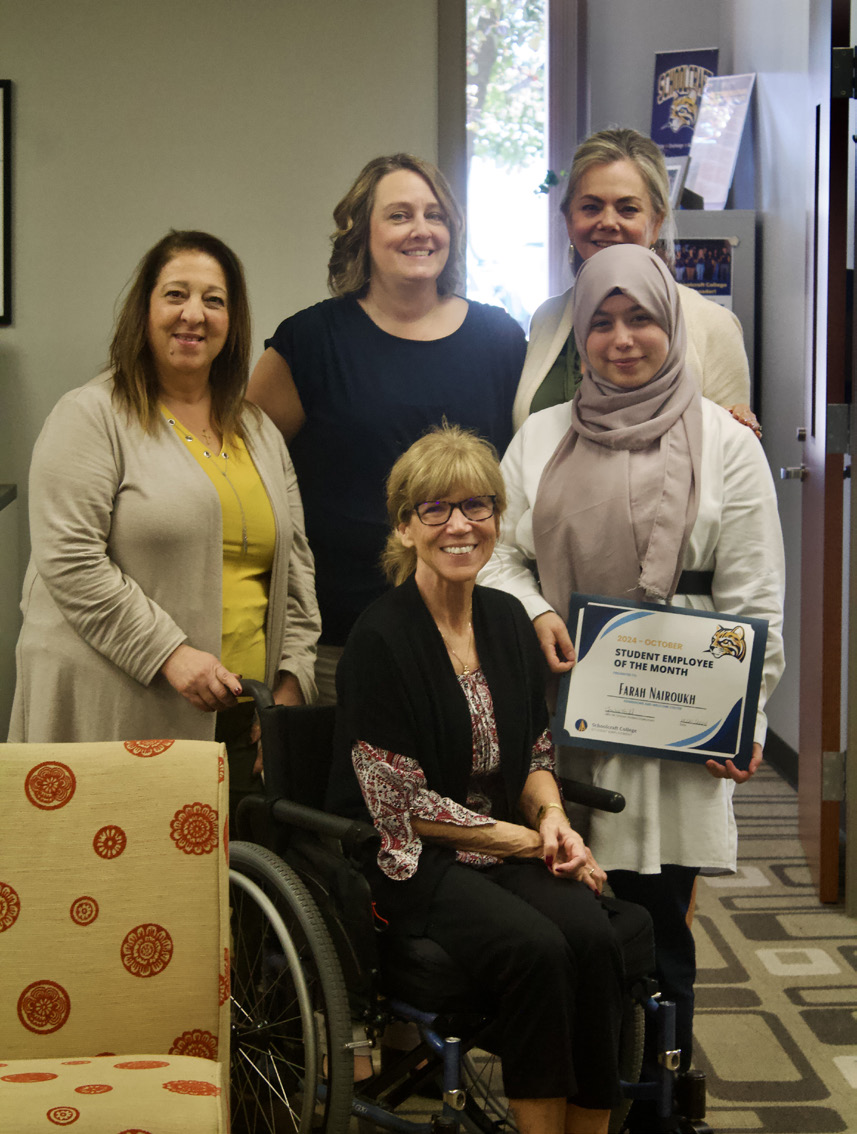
pixel 679 80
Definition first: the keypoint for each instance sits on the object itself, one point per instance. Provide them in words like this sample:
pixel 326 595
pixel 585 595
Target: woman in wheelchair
pixel 442 736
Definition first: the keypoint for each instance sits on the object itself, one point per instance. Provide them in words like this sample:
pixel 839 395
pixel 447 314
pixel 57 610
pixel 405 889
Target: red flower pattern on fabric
pixel 109 841
pixel 10 906
pixel 142 1064
pixel 193 828
pixel 63 1115
pixel 395 787
pixel 225 986
pixel 50 785
pixel 43 1007
pixel 148 747
pixel 199 1043
pixel 29 1077
pixel 93 1089
pixel 83 910
pixel 191 1087
pixel 221 769
pixel 147 950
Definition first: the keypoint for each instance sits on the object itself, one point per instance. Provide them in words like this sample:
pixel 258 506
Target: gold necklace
pixel 223 472
pixel 465 668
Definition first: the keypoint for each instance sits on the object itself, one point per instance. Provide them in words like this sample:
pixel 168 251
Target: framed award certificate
pixel 662 681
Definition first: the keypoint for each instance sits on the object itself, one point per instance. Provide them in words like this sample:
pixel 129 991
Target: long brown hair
pixel 135 378
pixel 349 268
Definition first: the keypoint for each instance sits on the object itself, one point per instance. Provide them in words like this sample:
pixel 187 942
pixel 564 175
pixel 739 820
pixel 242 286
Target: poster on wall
pixel 680 78
pixel 5 202
pixel 714 148
pixel 705 265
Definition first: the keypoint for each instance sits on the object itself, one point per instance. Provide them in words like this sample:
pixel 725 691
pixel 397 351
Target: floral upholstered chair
pixel 114 933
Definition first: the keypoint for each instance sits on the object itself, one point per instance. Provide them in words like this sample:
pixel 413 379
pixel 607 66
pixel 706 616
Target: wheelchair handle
pixel 261 694
pixel 601 799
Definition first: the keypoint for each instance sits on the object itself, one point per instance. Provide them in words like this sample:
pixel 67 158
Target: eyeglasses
pixel 436 512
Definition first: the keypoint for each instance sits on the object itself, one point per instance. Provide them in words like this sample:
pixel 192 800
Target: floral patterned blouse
pixel 395 789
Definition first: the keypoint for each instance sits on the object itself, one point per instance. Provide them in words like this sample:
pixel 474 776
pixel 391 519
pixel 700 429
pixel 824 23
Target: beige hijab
pixel 618 499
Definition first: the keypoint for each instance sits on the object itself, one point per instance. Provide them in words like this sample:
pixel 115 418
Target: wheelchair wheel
pixel 291 1068
pixel 486 1108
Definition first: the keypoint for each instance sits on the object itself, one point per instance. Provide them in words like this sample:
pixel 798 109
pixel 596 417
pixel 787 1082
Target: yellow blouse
pixel 249 534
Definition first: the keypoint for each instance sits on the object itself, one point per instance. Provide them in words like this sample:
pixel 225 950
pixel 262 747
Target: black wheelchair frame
pixel 308 968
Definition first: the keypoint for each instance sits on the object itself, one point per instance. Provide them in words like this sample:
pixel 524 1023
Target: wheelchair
pixel 315 980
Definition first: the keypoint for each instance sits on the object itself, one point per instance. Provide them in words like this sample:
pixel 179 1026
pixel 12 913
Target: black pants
pixel 667 896
pixel 544 951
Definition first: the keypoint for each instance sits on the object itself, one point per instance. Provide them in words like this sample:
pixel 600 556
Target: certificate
pixel 664 681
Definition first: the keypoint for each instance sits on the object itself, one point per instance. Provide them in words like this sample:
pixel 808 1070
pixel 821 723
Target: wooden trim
pixel 451 96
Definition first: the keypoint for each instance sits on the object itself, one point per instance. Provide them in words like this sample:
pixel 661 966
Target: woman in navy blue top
pixel 353 381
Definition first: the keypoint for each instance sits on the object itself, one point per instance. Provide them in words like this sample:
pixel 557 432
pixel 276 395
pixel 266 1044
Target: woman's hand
pixel 730 772
pixel 555 642
pixel 202 679
pixel 745 416
pixel 566 854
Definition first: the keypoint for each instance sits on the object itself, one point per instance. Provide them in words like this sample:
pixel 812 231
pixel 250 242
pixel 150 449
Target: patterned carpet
pixel 776 1018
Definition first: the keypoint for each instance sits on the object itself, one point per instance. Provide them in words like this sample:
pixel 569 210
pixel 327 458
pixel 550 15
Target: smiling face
pixel 611 205
pixel 408 233
pixel 450 553
pixel 188 315
pixel 625 345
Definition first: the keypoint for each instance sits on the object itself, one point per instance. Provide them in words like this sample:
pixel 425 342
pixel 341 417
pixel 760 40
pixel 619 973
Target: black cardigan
pixel 397 690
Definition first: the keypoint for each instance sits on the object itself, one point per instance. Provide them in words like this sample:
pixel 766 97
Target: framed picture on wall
pixel 5 201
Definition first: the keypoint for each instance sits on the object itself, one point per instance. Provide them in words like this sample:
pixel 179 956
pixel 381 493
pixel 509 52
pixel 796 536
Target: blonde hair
pixel 136 386
pixel 623 144
pixel 349 267
pixel 447 457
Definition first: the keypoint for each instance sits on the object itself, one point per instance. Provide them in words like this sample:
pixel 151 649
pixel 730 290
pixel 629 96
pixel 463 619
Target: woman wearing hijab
pixel 619 492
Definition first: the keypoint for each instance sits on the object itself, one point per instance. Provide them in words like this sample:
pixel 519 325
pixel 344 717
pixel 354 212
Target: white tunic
pixel 676 812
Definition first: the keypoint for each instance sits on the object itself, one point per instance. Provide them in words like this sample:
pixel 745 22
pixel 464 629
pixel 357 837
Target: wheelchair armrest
pixel 357 838
pixel 590 796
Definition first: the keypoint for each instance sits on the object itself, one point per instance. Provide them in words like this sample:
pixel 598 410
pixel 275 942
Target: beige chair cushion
pixel 114 920
pixel 137 1094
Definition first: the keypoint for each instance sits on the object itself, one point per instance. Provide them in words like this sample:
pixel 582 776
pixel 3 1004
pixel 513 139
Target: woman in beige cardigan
pixel 168 551
pixel 618 193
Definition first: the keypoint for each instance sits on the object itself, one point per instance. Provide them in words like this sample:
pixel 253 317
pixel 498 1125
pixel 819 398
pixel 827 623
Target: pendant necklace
pixel 223 470
pixel 465 668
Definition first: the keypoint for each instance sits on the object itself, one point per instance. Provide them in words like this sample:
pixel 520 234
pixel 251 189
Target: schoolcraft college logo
pixel 681 87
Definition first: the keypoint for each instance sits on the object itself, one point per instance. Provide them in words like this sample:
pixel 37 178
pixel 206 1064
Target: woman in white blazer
pixel 618 193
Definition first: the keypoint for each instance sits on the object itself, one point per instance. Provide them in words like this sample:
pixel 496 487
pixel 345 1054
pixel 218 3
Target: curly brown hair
pixel 136 386
pixel 349 267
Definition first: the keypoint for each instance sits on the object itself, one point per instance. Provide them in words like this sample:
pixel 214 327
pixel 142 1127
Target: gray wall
pixel 249 120
pixel 770 38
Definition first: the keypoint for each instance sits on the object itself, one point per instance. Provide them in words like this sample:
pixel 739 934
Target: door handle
pixel 798 472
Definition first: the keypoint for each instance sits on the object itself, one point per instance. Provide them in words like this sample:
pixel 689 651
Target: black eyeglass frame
pixel 452 505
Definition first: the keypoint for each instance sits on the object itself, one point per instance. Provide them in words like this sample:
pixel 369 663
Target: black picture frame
pixel 5 202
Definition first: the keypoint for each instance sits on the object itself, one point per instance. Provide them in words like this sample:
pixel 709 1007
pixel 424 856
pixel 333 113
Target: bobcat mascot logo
pixel 683 113
pixel 728 640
